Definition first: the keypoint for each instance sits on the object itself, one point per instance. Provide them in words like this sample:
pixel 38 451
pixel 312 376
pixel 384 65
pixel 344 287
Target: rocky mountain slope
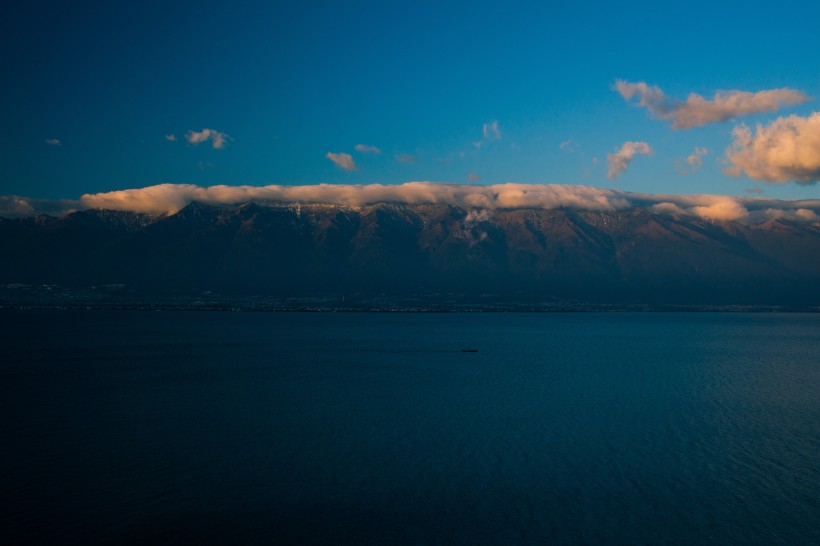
pixel 301 250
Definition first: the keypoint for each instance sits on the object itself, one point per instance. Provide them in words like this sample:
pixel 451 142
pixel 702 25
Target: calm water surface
pixel 160 427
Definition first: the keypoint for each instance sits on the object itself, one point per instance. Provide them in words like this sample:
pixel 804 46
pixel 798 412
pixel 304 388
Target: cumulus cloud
pixel 367 149
pixel 788 149
pixel 405 158
pixel 169 198
pixel 697 111
pixel 217 138
pixel 343 160
pixel 171 138
pixel 620 160
pixel 53 142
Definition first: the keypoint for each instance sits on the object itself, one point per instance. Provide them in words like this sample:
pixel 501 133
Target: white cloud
pixel 171 138
pixel 53 142
pixel 697 111
pixel 569 145
pixel 367 149
pixel 620 160
pixel 405 158
pixel 342 160
pixel 788 149
pixel 491 132
pixel 473 177
pixel 217 138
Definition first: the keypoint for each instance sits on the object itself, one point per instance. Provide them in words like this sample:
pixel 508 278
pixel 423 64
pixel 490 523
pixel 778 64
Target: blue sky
pixel 92 89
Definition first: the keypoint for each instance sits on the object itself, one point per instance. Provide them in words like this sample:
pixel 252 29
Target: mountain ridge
pixel 292 249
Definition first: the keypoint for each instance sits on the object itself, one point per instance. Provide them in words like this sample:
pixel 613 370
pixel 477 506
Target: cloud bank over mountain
pixel 169 198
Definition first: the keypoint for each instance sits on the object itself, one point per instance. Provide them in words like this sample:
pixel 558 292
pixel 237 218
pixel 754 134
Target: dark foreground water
pixel 152 427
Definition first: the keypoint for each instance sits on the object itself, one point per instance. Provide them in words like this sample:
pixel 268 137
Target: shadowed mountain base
pixel 289 250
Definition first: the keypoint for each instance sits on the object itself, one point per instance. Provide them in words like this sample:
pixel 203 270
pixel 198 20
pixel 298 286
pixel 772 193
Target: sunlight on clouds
pixel 695 158
pixel 697 111
pixel 693 162
pixel 217 138
pixel 788 149
pixel 620 160
pixel 169 198
pixel 343 160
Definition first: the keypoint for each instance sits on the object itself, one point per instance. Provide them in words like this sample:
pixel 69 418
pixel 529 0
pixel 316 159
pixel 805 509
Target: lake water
pixel 210 427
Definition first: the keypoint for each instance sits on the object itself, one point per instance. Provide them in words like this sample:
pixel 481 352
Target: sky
pixel 682 98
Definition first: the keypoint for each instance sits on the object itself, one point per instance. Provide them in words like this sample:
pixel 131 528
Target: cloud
pixel 367 149
pixel 53 142
pixel 754 190
pixel 788 149
pixel 405 158
pixel 569 145
pixel 697 111
pixel 169 198
pixel 491 132
pixel 14 206
pixel 620 160
pixel 473 177
pixel 694 158
pixel 693 162
pixel 342 160
pixel 171 138
pixel 217 138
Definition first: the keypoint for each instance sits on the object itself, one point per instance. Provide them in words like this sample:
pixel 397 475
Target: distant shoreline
pixel 412 310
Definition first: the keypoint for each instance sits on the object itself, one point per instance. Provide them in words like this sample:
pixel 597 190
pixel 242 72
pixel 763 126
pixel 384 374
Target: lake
pixel 375 428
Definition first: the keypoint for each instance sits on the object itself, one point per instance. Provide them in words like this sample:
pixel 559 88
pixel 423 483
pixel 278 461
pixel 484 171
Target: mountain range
pixel 520 254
